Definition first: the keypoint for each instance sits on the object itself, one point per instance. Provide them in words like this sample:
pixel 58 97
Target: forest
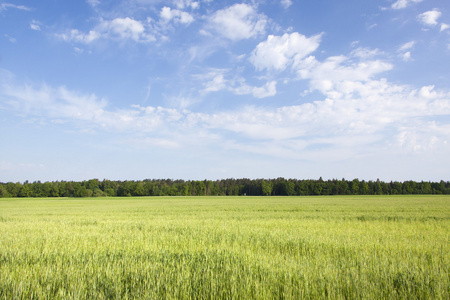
pixel 225 187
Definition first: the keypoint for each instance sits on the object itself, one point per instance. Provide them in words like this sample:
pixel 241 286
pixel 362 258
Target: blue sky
pixel 218 89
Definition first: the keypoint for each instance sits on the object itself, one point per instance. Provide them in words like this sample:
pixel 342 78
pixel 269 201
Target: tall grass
pixel 226 248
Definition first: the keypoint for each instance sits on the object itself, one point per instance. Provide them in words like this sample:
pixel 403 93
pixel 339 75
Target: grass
pixel 349 247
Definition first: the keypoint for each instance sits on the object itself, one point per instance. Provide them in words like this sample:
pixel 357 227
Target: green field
pixel 349 247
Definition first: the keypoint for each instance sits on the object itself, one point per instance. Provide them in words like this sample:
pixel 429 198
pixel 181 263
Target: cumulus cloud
pixel 277 52
pixel 399 4
pixel 124 28
pixel 80 37
pixel 182 4
pixel 340 76
pixel 167 14
pixel 238 22
pixel 444 26
pixel 429 18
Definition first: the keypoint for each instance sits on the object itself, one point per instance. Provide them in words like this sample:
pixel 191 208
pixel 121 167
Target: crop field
pixel 339 247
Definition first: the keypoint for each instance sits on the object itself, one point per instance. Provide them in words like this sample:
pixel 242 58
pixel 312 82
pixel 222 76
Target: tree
pixel 396 188
pixel 13 188
pixel 266 187
pixel 426 188
pixel 364 188
pixel 3 192
pixel 355 187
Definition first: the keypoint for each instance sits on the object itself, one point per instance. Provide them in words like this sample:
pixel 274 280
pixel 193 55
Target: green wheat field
pixel 338 247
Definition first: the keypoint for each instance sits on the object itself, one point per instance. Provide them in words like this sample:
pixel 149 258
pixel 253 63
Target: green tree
pixel 364 188
pixel 4 192
pixel 24 191
pixel 266 187
pixel 13 188
pixel 426 188
pixel 355 187
pixel 396 188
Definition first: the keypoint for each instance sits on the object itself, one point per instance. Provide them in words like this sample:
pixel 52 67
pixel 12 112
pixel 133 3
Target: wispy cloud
pixel 35 25
pixel 93 3
pixel 374 108
pixel 6 6
pixel 404 50
pixel 219 80
pixel 268 90
pixel 116 29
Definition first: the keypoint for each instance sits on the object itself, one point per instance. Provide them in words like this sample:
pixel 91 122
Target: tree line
pixel 224 187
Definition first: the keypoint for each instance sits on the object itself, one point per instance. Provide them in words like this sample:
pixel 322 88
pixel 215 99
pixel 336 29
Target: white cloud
pixel 404 52
pixel 340 76
pixel 116 29
pixel 93 3
pixel 407 46
pixel 182 4
pixel 80 37
pixel 406 56
pixel 379 113
pixel 216 82
pixel 277 52
pixel 153 142
pixel 10 38
pixel 444 26
pixel 238 22
pixel 286 3
pixel 35 25
pixel 178 16
pixel 124 28
pixel 399 4
pixel 5 6
pixel 365 53
pixel 53 103
pixel 429 18
pixel 424 138
pixel 268 90
pixel 369 118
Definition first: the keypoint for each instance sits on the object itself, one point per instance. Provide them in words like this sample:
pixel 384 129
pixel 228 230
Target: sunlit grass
pixel 226 247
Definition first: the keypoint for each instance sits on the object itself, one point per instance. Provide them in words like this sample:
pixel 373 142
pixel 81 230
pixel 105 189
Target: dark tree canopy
pixel 224 187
